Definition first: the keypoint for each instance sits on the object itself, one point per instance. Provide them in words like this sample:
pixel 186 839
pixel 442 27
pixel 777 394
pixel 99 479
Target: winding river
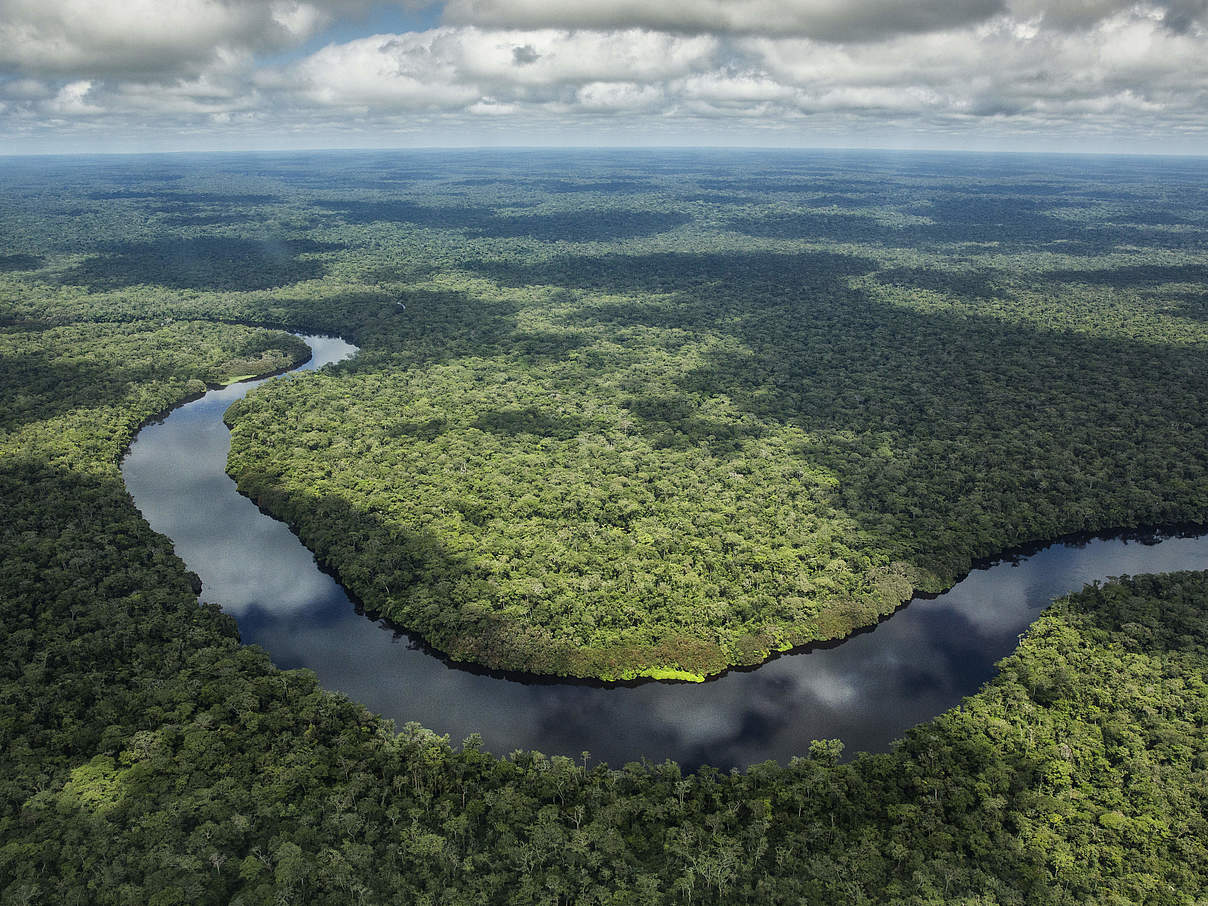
pixel 867 690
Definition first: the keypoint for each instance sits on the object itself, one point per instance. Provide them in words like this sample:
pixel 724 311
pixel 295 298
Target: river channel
pixel 867 690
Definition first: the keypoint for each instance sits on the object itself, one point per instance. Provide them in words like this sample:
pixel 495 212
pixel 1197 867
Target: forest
pixel 614 415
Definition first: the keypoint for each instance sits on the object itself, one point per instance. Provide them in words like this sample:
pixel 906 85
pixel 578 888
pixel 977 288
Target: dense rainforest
pixel 614 414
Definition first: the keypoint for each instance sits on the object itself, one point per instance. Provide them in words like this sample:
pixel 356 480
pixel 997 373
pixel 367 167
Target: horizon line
pixel 771 149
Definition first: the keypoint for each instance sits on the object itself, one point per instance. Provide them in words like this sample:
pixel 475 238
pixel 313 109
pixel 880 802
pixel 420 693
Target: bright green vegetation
pixel 764 423
pixel 75 394
pixel 150 758
pixel 850 375
pixel 661 414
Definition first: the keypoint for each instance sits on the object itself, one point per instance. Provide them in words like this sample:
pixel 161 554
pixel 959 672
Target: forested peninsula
pixel 614 415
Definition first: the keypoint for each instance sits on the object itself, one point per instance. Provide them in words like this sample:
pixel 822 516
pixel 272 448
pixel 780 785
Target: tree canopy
pixel 639 414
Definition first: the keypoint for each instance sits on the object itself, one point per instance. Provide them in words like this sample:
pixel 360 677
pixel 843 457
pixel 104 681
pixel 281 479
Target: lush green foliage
pixel 671 412
pixel 77 393
pixel 150 758
pixel 873 404
pixel 688 451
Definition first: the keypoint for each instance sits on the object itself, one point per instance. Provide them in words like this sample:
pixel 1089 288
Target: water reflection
pixel 176 472
pixel 867 691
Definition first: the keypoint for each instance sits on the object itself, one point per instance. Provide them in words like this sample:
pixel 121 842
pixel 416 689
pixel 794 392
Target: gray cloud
pixel 1036 68
pixel 1179 16
pixel 823 20
pixel 98 38
pixel 832 20
pixel 1183 15
pixel 525 54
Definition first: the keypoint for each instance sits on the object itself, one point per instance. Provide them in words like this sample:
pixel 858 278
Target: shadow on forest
pixel 401 272
pixel 586 226
pixel 606 186
pixel 1178 625
pixel 124 194
pixel 20 262
pixel 33 386
pixel 1133 275
pixel 1006 221
pixel 40 384
pixel 435 326
pixel 91 588
pixel 203 218
pixel 389 553
pixel 1152 217
pixel 126 567
pixel 170 200
pixel 558 186
pixel 818 225
pixel 1029 188
pixel 209 263
pixel 982 283
pixel 190 208
pixel 534 346
pixel 671 421
pixel 371 557
pixel 797 185
pixel 993 219
pixel 529 420
pixel 956 407
pixel 428 429
pixel 1191 305
pixel 850 201
pixel 716 198
pixel 678 273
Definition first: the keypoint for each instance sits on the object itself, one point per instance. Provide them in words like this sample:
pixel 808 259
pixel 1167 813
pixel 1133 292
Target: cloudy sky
pixel 128 75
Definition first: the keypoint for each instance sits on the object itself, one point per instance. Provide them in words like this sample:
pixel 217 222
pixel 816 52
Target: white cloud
pixel 417 70
pixel 203 95
pixel 72 100
pixel 723 87
pixel 297 20
pixel 551 56
pixel 1063 66
pixel 491 107
pixel 454 68
pixel 616 97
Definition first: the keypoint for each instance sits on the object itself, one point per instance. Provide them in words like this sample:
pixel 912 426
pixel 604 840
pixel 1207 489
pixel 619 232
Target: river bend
pixel 867 690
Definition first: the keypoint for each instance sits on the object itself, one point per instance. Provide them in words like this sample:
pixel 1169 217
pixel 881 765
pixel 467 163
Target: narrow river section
pixel 866 691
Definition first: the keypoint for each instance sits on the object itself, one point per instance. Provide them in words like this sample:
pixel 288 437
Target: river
pixel 866 691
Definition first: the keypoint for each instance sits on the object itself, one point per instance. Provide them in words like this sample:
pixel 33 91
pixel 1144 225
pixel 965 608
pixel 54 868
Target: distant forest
pixel 615 415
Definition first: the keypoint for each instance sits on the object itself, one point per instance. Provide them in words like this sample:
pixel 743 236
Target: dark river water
pixel 866 691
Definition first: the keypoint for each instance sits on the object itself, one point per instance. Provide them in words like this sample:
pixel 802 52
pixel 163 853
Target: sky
pixel 1100 76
